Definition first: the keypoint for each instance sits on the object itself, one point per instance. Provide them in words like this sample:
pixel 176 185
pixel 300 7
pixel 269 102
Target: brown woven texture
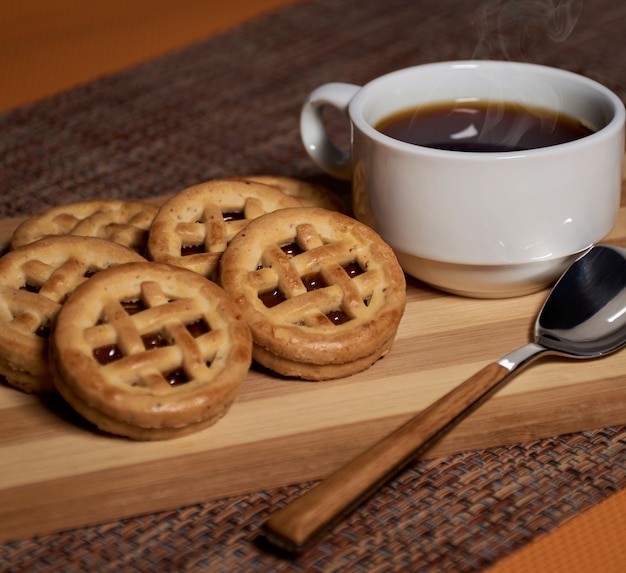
pixel 230 106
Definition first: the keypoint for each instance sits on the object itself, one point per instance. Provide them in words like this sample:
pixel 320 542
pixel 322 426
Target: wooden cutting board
pixel 57 473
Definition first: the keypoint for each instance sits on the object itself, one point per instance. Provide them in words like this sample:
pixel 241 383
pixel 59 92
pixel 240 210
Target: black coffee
pixel 485 126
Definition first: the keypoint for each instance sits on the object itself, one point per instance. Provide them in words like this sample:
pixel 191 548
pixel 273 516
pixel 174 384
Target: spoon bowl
pixel 584 314
pixel 583 317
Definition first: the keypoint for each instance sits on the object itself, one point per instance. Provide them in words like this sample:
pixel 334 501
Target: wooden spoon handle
pixel 301 523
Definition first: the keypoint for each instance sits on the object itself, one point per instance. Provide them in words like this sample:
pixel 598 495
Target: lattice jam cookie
pixel 150 351
pixel 35 280
pixel 193 228
pixel 123 222
pixel 309 194
pixel 322 293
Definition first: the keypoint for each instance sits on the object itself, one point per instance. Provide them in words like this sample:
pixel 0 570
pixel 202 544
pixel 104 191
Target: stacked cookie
pixel 149 351
pixel 322 293
pixel 146 320
pixel 35 281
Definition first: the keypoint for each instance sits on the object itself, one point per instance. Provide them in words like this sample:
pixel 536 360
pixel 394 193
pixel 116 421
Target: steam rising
pixel 507 28
pixel 510 30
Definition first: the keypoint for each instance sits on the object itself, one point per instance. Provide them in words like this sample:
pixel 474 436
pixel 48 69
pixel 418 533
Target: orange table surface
pixel 47 46
pixel 590 542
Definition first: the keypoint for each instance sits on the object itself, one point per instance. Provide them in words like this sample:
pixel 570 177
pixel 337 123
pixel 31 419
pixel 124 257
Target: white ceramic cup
pixel 493 224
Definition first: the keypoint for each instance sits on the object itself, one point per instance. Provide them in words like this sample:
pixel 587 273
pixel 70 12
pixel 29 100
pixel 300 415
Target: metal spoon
pixel 584 317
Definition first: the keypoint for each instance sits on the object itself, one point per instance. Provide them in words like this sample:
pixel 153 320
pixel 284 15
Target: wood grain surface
pixel 59 473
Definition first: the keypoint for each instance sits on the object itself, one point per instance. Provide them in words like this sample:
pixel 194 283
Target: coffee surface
pixel 482 126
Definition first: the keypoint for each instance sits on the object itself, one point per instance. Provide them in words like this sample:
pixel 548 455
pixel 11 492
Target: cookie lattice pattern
pixel 30 306
pixel 126 223
pixel 194 227
pixel 215 228
pixel 315 283
pixel 156 343
pixel 131 230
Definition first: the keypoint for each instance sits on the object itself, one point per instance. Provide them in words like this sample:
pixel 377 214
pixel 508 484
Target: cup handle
pixel 319 146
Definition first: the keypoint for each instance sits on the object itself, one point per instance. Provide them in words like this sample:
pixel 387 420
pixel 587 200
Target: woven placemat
pixel 230 106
